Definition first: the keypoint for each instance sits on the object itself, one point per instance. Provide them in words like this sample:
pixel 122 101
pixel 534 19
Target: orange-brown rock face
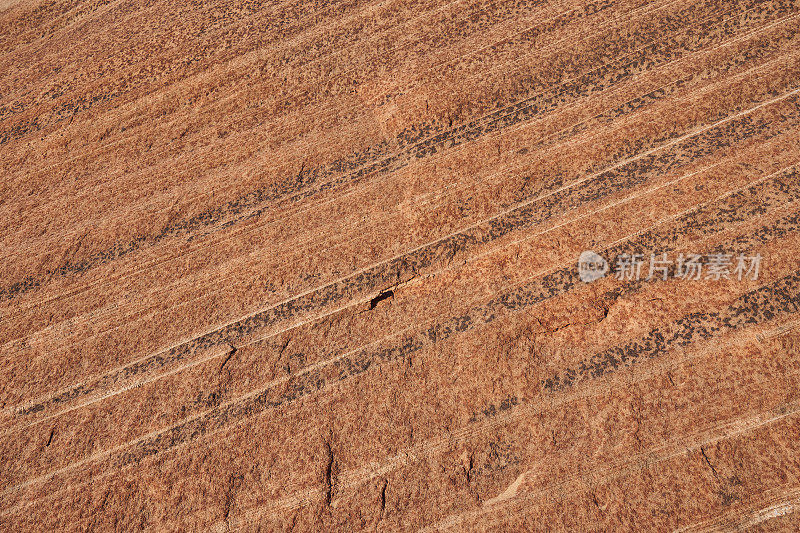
pixel 400 265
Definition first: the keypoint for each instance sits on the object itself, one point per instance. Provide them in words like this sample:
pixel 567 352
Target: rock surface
pixel 313 266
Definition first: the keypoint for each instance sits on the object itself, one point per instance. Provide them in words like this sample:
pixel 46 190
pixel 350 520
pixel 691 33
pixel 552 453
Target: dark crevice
pixel 708 461
pixel 385 295
pixel 382 497
pixel 287 366
pixel 230 354
pixel 596 503
pixel 233 482
pixel 328 477
pixel 105 500
pixel 284 346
